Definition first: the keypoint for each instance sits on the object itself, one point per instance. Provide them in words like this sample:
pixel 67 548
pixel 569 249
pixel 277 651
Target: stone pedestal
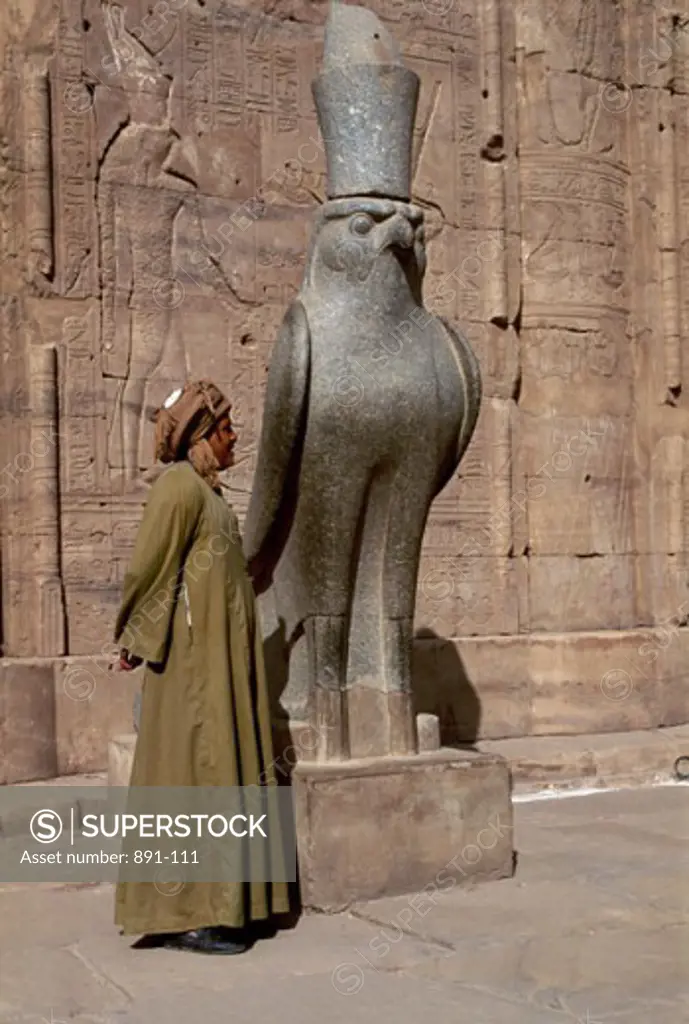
pixel 393 825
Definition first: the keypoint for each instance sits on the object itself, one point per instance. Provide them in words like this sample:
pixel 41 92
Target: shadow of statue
pixel 286 749
pixel 277 671
pixel 441 686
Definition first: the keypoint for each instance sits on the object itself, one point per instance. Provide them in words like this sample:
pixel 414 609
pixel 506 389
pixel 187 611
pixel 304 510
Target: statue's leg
pixel 324 544
pixel 378 668
pixel 400 574
pixel 327 646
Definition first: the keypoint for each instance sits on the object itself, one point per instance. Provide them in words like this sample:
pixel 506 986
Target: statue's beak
pixel 395 233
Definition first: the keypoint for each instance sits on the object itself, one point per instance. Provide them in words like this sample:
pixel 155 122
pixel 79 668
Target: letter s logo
pixel 46 826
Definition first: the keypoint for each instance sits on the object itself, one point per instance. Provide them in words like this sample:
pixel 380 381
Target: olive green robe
pixel 189 612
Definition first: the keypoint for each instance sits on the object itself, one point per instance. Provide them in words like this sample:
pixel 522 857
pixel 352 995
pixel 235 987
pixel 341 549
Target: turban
pixel 186 417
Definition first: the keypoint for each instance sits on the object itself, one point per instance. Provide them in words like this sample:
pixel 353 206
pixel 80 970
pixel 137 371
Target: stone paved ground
pixel 593 927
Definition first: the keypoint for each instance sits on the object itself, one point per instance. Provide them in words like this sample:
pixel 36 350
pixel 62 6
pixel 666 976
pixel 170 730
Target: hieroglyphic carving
pixel 493 150
pixel 569 49
pixel 466 585
pixel 280 254
pixel 15 628
pixel 49 610
pixel 81 406
pixel 576 277
pixel 286 91
pixel 227 68
pixel 466 138
pixel 82 391
pixel 258 76
pixel 197 67
pixel 673 132
pixel 244 388
pixel 680 181
pixel 89 542
pixel 69 49
pixel 478 498
pixel 73 160
pixel 38 177
pixel 577 208
pixel 579 357
pixel 669 229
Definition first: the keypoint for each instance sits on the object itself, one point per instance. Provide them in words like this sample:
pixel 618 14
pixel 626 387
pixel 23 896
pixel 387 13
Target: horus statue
pixel 356 443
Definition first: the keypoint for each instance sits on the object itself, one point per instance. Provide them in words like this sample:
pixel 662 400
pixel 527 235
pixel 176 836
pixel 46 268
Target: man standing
pixel 189 612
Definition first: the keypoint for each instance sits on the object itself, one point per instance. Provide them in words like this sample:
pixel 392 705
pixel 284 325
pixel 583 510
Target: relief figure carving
pixel 143 184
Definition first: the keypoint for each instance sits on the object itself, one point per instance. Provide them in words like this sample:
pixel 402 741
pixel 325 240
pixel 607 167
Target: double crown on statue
pixel 366 101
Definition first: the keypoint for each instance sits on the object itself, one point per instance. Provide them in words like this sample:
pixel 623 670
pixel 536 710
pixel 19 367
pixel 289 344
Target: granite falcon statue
pixel 345 478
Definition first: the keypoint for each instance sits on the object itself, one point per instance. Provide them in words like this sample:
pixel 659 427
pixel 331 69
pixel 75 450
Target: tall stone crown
pixel 366 103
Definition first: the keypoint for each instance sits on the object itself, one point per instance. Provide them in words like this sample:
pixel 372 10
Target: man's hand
pixel 260 574
pixel 129 661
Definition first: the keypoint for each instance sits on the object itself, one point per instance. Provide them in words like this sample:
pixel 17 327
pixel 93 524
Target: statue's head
pixel 363 235
pixel 369 233
pixel 366 102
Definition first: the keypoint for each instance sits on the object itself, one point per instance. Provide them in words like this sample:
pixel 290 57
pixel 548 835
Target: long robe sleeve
pixel 152 582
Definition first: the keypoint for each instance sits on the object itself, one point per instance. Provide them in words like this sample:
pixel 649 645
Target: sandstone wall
pixel 159 167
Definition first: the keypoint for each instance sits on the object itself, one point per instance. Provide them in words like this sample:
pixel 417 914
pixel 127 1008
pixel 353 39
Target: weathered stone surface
pixel 27 721
pixel 601 760
pixel 592 927
pixel 565 683
pixel 427 732
pixel 92 704
pixel 592 592
pixel 609 760
pixel 449 811
pixel 158 175
pixel 58 715
pixel 464 685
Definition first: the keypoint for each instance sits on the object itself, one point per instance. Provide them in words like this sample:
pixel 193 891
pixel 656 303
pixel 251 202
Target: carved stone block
pixel 92 703
pixel 27 721
pixel 459 803
pixel 592 593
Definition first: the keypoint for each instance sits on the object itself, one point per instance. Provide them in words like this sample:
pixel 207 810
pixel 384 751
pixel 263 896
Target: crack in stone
pixel 419 936
pixel 98 974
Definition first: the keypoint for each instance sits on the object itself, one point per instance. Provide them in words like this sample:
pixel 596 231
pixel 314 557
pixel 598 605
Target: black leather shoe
pixel 205 940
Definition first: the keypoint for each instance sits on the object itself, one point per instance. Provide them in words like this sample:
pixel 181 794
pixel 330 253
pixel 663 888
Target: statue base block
pixel 388 826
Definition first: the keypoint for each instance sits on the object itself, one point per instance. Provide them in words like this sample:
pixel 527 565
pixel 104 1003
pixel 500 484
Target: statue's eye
pixel 361 224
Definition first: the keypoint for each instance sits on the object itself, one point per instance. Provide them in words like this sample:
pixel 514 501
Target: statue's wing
pixel 284 414
pixel 470 374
